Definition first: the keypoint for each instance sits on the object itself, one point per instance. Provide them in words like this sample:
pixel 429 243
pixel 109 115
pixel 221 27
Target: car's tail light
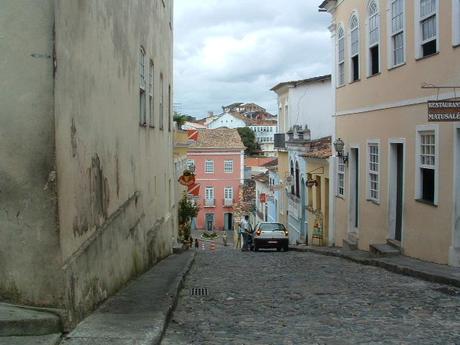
pixel 258 232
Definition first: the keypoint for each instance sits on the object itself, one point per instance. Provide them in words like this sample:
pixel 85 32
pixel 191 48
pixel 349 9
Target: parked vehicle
pixel 271 235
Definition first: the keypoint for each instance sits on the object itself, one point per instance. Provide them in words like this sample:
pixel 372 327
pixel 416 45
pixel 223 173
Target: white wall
pixel 312 104
pixel 227 120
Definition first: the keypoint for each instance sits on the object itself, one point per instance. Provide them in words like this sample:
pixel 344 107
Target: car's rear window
pixel 272 227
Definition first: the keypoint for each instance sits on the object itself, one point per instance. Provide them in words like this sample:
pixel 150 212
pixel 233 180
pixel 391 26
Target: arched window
pixel 292 177
pixel 374 38
pixel 297 179
pixel 341 56
pixel 354 47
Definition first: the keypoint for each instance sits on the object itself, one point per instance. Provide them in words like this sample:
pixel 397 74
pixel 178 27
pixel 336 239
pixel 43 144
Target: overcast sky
pixel 230 51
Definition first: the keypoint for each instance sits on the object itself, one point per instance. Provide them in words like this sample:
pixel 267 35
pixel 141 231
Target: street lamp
pixel 339 146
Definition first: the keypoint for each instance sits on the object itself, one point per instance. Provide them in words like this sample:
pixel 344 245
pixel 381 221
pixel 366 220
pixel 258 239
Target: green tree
pixel 180 118
pixel 186 211
pixel 248 138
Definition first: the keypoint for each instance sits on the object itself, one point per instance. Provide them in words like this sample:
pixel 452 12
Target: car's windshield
pixel 272 227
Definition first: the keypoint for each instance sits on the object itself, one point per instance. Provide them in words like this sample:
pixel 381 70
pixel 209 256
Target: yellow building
pixel 399 175
pixel 181 144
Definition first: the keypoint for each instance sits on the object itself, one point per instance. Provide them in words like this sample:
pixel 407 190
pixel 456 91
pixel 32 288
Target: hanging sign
pixel 263 198
pixel 187 178
pixel 441 111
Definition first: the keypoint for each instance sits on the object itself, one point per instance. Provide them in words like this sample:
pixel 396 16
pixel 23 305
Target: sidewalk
pixel 139 313
pixel 432 272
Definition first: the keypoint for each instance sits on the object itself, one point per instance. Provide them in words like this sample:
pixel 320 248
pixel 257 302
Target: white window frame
pixel 340 173
pixel 228 166
pixel 418 29
pixel 340 61
pixel 151 90
pixel 373 143
pixel 392 34
pixel 228 193
pixel 351 56
pixel 209 166
pixel 420 129
pixel 190 163
pixel 142 86
pixel 373 44
pixel 209 193
pixel 456 23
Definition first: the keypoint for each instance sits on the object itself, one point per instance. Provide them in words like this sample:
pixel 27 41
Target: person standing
pixel 245 229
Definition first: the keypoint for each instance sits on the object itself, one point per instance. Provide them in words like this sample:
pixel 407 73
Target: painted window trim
pixel 378 43
pixel 391 34
pixel 354 13
pixel 368 170
pixel 228 190
pixel 211 171
pixel 418 165
pixel 340 162
pixel 455 22
pixel 418 30
pixel 151 93
pixel 225 166
pixel 340 62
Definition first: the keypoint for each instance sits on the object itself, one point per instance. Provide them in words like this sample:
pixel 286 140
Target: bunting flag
pixel 194 189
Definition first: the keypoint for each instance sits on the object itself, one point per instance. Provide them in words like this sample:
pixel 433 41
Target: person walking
pixel 245 229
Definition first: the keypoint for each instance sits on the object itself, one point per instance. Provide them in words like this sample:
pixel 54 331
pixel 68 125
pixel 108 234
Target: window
pixel 292 177
pixel 228 193
pixel 373 184
pixel 397 33
pixel 354 34
pixel 456 22
pixel 310 191
pixel 209 196
pixel 297 179
pixel 151 105
pixel 190 164
pixel 426 14
pixel 161 102
pixel 374 38
pixel 427 162
pixel 228 166
pixel 142 106
pixel 169 108
pixel 340 177
pixel 341 57
pixel 209 167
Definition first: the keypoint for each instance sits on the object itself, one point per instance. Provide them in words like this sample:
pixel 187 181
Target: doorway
pixel 354 191
pixel 209 221
pixel 456 239
pixel 396 190
pixel 303 215
pixel 228 221
pixel 326 210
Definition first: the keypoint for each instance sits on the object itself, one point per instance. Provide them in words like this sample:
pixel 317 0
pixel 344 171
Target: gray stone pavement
pixel 399 264
pixel 304 298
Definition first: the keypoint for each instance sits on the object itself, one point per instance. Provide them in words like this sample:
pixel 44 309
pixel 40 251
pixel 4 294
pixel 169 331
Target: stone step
pixel 350 245
pixel 50 339
pixel 383 249
pixel 19 321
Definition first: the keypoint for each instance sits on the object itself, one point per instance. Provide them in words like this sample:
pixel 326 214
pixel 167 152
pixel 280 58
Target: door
pixel 228 221
pixel 354 190
pixel 209 221
pixel 326 210
pixel 303 217
pixel 396 188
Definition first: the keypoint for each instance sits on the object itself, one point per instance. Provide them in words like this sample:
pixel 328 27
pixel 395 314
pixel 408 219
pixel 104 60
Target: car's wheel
pixel 278 249
pixel 286 248
pixel 256 249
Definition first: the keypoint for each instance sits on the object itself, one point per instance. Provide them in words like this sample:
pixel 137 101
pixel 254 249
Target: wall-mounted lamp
pixel 339 146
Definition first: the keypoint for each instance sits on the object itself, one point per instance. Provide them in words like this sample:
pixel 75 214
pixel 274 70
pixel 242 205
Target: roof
pixel 233 105
pixel 263 178
pixel 222 138
pixel 319 148
pixel 324 3
pixel 273 162
pixel 296 83
pixel 258 161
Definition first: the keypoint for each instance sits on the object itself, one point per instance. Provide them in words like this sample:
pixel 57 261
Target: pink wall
pixel 219 180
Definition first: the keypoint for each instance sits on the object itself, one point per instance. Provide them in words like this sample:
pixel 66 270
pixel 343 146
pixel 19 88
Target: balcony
pixel 280 141
pixel 209 202
pixel 228 202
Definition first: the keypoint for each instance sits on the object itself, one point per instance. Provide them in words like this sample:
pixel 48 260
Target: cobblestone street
pixel 303 298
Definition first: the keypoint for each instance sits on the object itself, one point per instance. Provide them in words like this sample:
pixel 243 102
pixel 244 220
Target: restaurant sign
pixel 439 111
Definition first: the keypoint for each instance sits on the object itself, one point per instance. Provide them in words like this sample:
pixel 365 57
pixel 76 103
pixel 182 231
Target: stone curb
pixel 395 268
pixel 179 283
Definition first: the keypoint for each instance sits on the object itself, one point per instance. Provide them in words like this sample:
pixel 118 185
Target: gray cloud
pixel 236 50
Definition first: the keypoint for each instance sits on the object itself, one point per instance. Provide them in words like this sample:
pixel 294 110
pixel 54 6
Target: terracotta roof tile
pixel 223 138
pixel 319 148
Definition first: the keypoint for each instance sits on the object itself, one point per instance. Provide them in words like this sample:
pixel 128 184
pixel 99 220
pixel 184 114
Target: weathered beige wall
pixel 115 178
pixel 283 171
pixel 29 238
pixel 426 229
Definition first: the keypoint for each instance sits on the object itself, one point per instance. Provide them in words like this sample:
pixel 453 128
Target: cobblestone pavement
pixel 304 298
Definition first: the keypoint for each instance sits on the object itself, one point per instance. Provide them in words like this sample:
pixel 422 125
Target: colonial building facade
pixel 398 177
pixel 218 158
pixel 86 143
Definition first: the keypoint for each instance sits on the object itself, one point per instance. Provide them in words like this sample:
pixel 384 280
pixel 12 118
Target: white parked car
pixel 271 235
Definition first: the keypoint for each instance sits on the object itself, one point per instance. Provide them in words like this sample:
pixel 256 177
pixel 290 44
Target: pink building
pixel 218 157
